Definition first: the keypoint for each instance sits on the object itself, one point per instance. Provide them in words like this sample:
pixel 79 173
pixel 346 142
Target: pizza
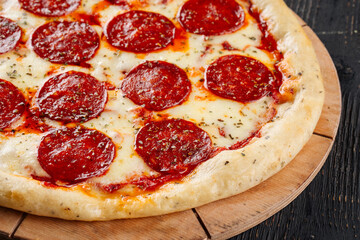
pixel 130 108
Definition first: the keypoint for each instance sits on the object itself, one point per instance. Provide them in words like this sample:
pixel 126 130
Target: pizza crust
pixel 227 174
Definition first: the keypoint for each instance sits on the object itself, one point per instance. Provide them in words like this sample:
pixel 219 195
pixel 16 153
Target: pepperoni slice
pixel 65 42
pixel 75 154
pixel 157 85
pixel 140 31
pixel 10 34
pixel 72 97
pixel 173 145
pixel 50 8
pixel 211 17
pixel 12 104
pixel 239 78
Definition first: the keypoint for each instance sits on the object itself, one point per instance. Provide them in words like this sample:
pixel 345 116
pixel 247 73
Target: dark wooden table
pixel 330 206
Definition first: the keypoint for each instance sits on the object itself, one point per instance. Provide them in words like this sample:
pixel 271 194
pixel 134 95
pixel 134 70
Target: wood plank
pixel 8 219
pixel 330 116
pixel 183 225
pixel 231 216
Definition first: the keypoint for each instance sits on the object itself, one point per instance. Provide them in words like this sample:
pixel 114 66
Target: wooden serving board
pixel 218 220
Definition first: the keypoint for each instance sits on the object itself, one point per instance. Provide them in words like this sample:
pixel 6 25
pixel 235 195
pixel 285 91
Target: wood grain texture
pixel 183 225
pixel 8 220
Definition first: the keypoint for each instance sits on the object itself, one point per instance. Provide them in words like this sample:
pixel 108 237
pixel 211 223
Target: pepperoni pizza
pixel 131 108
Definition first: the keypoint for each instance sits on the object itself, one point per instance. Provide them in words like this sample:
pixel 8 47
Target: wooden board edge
pixel 10 220
pixel 174 225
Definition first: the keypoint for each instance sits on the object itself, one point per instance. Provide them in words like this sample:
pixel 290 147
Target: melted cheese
pixel 226 121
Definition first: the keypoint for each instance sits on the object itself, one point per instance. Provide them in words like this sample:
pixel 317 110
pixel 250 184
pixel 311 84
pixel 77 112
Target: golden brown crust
pixel 281 140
